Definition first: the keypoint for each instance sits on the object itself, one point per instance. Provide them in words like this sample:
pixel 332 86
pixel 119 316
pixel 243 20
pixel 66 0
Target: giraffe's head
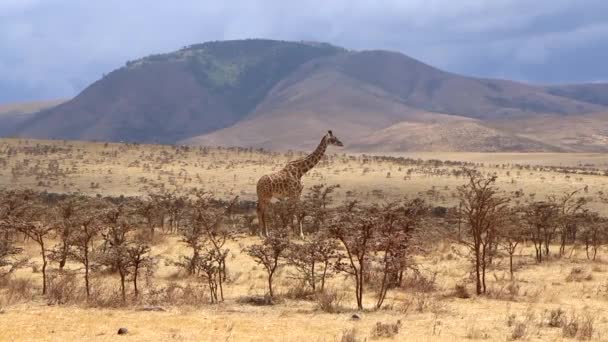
pixel 333 140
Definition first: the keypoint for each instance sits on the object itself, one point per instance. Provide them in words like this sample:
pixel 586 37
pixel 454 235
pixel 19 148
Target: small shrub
pixel 257 300
pixel 63 288
pixel 386 330
pixel 18 290
pixel 350 335
pixel 556 318
pixel 474 333
pixel 578 274
pixel 419 283
pixel 299 292
pixel 330 301
pixel 585 331
pixel 570 327
pixel 519 330
pixel 460 291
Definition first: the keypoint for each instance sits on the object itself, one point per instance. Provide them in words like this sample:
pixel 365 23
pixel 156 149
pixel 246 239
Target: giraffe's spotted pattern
pixel 286 183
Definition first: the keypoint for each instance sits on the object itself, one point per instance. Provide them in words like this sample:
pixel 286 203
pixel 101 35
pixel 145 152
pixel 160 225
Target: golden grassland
pixel 436 315
pixel 134 170
pixel 432 313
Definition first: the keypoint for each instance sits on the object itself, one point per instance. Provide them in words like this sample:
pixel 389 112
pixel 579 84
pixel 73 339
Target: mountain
pixel 168 97
pixel 282 95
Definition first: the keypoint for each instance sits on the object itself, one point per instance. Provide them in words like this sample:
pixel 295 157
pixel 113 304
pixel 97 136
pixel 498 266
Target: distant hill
pixel 281 95
pixel 14 114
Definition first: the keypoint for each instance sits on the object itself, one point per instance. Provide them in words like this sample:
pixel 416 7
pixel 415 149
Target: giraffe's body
pixel 286 183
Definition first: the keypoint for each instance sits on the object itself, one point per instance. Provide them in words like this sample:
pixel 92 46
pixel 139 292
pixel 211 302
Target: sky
pixel 55 48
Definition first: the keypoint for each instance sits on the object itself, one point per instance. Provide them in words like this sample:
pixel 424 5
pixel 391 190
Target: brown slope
pixel 579 133
pixel 339 93
pixel 596 93
pixel 168 97
pixel 424 87
pixel 365 117
pixel 447 135
pixel 155 102
pixel 297 114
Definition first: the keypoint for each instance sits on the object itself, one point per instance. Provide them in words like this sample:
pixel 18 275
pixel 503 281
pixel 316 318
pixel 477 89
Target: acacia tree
pixel 483 210
pixel 204 233
pixel 397 227
pixel 568 205
pixel 67 213
pixel 10 259
pixel 541 220
pixel 117 226
pixel 150 210
pixel 137 258
pixel 355 229
pixel 270 254
pixel 593 231
pixel 511 235
pixel 316 202
pixel 39 232
pixel 312 260
pixel 13 205
pixel 81 244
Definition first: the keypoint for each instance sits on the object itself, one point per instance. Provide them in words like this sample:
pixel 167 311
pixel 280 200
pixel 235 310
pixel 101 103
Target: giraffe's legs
pixel 295 213
pixel 261 210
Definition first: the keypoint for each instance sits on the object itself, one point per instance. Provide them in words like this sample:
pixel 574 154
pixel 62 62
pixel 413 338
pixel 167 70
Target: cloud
pixel 55 48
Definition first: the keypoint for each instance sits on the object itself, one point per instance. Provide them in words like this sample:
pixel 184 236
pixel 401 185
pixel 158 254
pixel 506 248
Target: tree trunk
pixel 270 292
pixel 44 263
pixel 136 271
pixel 477 267
pixel 86 271
pixel 122 284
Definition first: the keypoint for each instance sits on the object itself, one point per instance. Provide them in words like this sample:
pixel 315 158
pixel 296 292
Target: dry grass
pixel 438 306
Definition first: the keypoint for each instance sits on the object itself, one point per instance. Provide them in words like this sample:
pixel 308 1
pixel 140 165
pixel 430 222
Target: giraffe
pixel 286 183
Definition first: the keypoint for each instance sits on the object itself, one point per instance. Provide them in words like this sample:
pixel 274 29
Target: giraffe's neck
pixel 305 164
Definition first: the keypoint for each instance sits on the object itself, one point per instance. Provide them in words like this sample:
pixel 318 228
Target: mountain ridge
pixel 279 94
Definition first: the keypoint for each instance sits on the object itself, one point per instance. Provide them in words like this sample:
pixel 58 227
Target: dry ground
pixel 436 315
pixel 133 170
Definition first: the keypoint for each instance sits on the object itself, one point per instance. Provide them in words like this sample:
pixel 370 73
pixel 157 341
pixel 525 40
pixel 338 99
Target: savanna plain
pixel 164 241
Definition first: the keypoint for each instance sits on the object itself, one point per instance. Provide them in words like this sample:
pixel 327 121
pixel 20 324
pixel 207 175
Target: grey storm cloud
pixel 55 48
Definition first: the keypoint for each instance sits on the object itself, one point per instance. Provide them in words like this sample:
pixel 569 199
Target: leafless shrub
pixel 257 300
pixel 483 209
pixel 174 294
pixel 17 290
pixel 581 327
pixel 586 328
pixel 63 288
pixel 330 301
pixel 570 327
pixel 578 274
pixel 299 292
pixel 386 330
pixel 507 291
pixel 418 282
pixel 270 254
pixel 103 296
pixel 460 291
pixel 312 259
pixel 556 318
pixel 350 335
pixel 10 258
pixel 476 333
pixel 519 330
